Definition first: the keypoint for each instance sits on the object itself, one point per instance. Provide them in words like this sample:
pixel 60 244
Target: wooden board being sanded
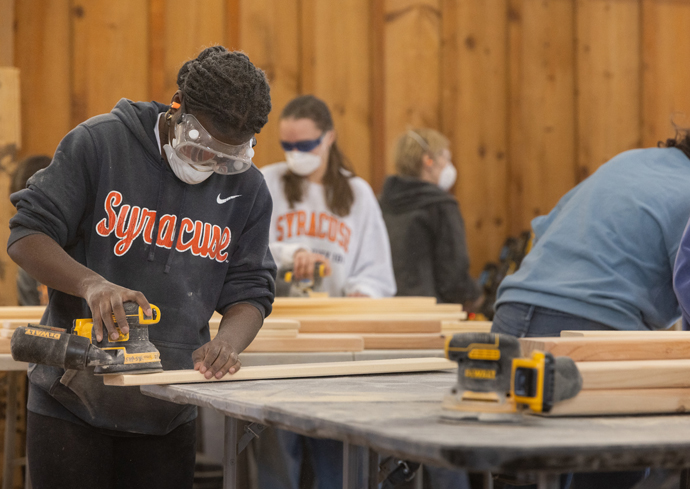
pixel 331 369
pixel 639 374
pixel 624 401
pixel 590 349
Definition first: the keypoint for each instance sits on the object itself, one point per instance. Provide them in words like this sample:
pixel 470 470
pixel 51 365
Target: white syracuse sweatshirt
pixel 357 245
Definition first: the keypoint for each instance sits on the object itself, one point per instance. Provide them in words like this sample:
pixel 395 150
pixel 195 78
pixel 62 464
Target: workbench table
pixel 400 415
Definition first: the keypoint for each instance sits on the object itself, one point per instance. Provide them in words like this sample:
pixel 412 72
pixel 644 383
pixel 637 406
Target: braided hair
pixel 336 184
pixel 681 141
pixel 228 88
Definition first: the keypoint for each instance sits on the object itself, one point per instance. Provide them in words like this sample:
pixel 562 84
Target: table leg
pixel 230 458
pixel 373 469
pixel 488 480
pixel 685 479
pixel 355 466
pixel 547 480
pixel 10 430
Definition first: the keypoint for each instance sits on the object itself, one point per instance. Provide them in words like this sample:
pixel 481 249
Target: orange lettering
pixel 187 226
pixel 345 236
pixel 166 231
pixel 224 243
pixel 332 229
pixel 312 225
pixel 106 225
pixel 301 223
pixel 321 232
pixel 279 227
pixel 290 216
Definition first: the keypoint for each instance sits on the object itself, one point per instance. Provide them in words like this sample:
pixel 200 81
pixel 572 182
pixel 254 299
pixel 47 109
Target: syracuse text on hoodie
pixel 356 245
pixel 110 200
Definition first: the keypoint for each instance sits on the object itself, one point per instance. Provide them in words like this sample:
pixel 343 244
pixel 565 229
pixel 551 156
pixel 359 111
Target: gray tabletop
pixel 401 415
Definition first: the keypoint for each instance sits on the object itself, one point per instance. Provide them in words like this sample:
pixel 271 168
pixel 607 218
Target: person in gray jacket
pixel 426 229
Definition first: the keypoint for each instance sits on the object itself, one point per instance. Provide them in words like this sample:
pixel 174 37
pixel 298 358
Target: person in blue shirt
pixel 603 257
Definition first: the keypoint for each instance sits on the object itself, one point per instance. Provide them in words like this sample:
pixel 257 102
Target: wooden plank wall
pixel 534 94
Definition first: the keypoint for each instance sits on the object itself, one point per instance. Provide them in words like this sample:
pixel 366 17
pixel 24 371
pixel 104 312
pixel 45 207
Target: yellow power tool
pixel 130 353
pixel 495 381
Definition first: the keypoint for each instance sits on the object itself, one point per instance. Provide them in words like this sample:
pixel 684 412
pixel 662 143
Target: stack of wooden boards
pixel 327 324
pixel 637 372
pixel 356 324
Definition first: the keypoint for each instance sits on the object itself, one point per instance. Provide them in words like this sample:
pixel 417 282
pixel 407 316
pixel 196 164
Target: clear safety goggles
pixel 194 145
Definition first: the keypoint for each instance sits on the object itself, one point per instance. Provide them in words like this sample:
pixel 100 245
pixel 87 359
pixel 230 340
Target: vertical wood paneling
pixel 338 72
pixel 7 18
pixel 110 55
pixel 377 92
pixel 190 27
pixel 666 75
pixel 10 142
pixel 413 68
pixel 480 133
pixel 43 57
pixel 534 94
pixel 270 35
pixel 608 81
pixel 542 119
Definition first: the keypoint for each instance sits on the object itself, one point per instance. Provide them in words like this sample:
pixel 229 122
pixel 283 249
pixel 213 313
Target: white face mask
pixel 302 164
pixel 183 170
pixel 447 177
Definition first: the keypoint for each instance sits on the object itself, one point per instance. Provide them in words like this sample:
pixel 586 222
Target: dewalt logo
pixel 480 373
pixel 43 334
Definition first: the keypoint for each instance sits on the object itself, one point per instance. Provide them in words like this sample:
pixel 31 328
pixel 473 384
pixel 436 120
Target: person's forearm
pixel 46 261
pixel 240 324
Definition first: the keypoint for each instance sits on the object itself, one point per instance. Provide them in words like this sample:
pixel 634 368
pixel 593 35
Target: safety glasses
pixel 302 146
pixel 197 147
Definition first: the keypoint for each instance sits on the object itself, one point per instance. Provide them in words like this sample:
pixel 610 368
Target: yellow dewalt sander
pixel 130 353
pixel 495 381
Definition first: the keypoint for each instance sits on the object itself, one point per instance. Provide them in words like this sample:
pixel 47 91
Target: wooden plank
pixel 269 323
pixel 542 108
pixel 480 127
pixel 20 312
pixel 625 401
pixel 330 369
pixel 4 345
pixel 110 56
pixel 44 58
pixel 263 333
pixel 10 142
pixel 308 342
pixel 392 341
pixel 664 93
pixel 413 68
pixel 364 324
pixel 270 35
pixel 607 349
pixel 626 334
pixel 643 374
pixel 466 326
pixel 609 81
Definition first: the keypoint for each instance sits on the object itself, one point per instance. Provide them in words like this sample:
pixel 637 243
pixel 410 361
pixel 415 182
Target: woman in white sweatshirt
pixel 322 211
